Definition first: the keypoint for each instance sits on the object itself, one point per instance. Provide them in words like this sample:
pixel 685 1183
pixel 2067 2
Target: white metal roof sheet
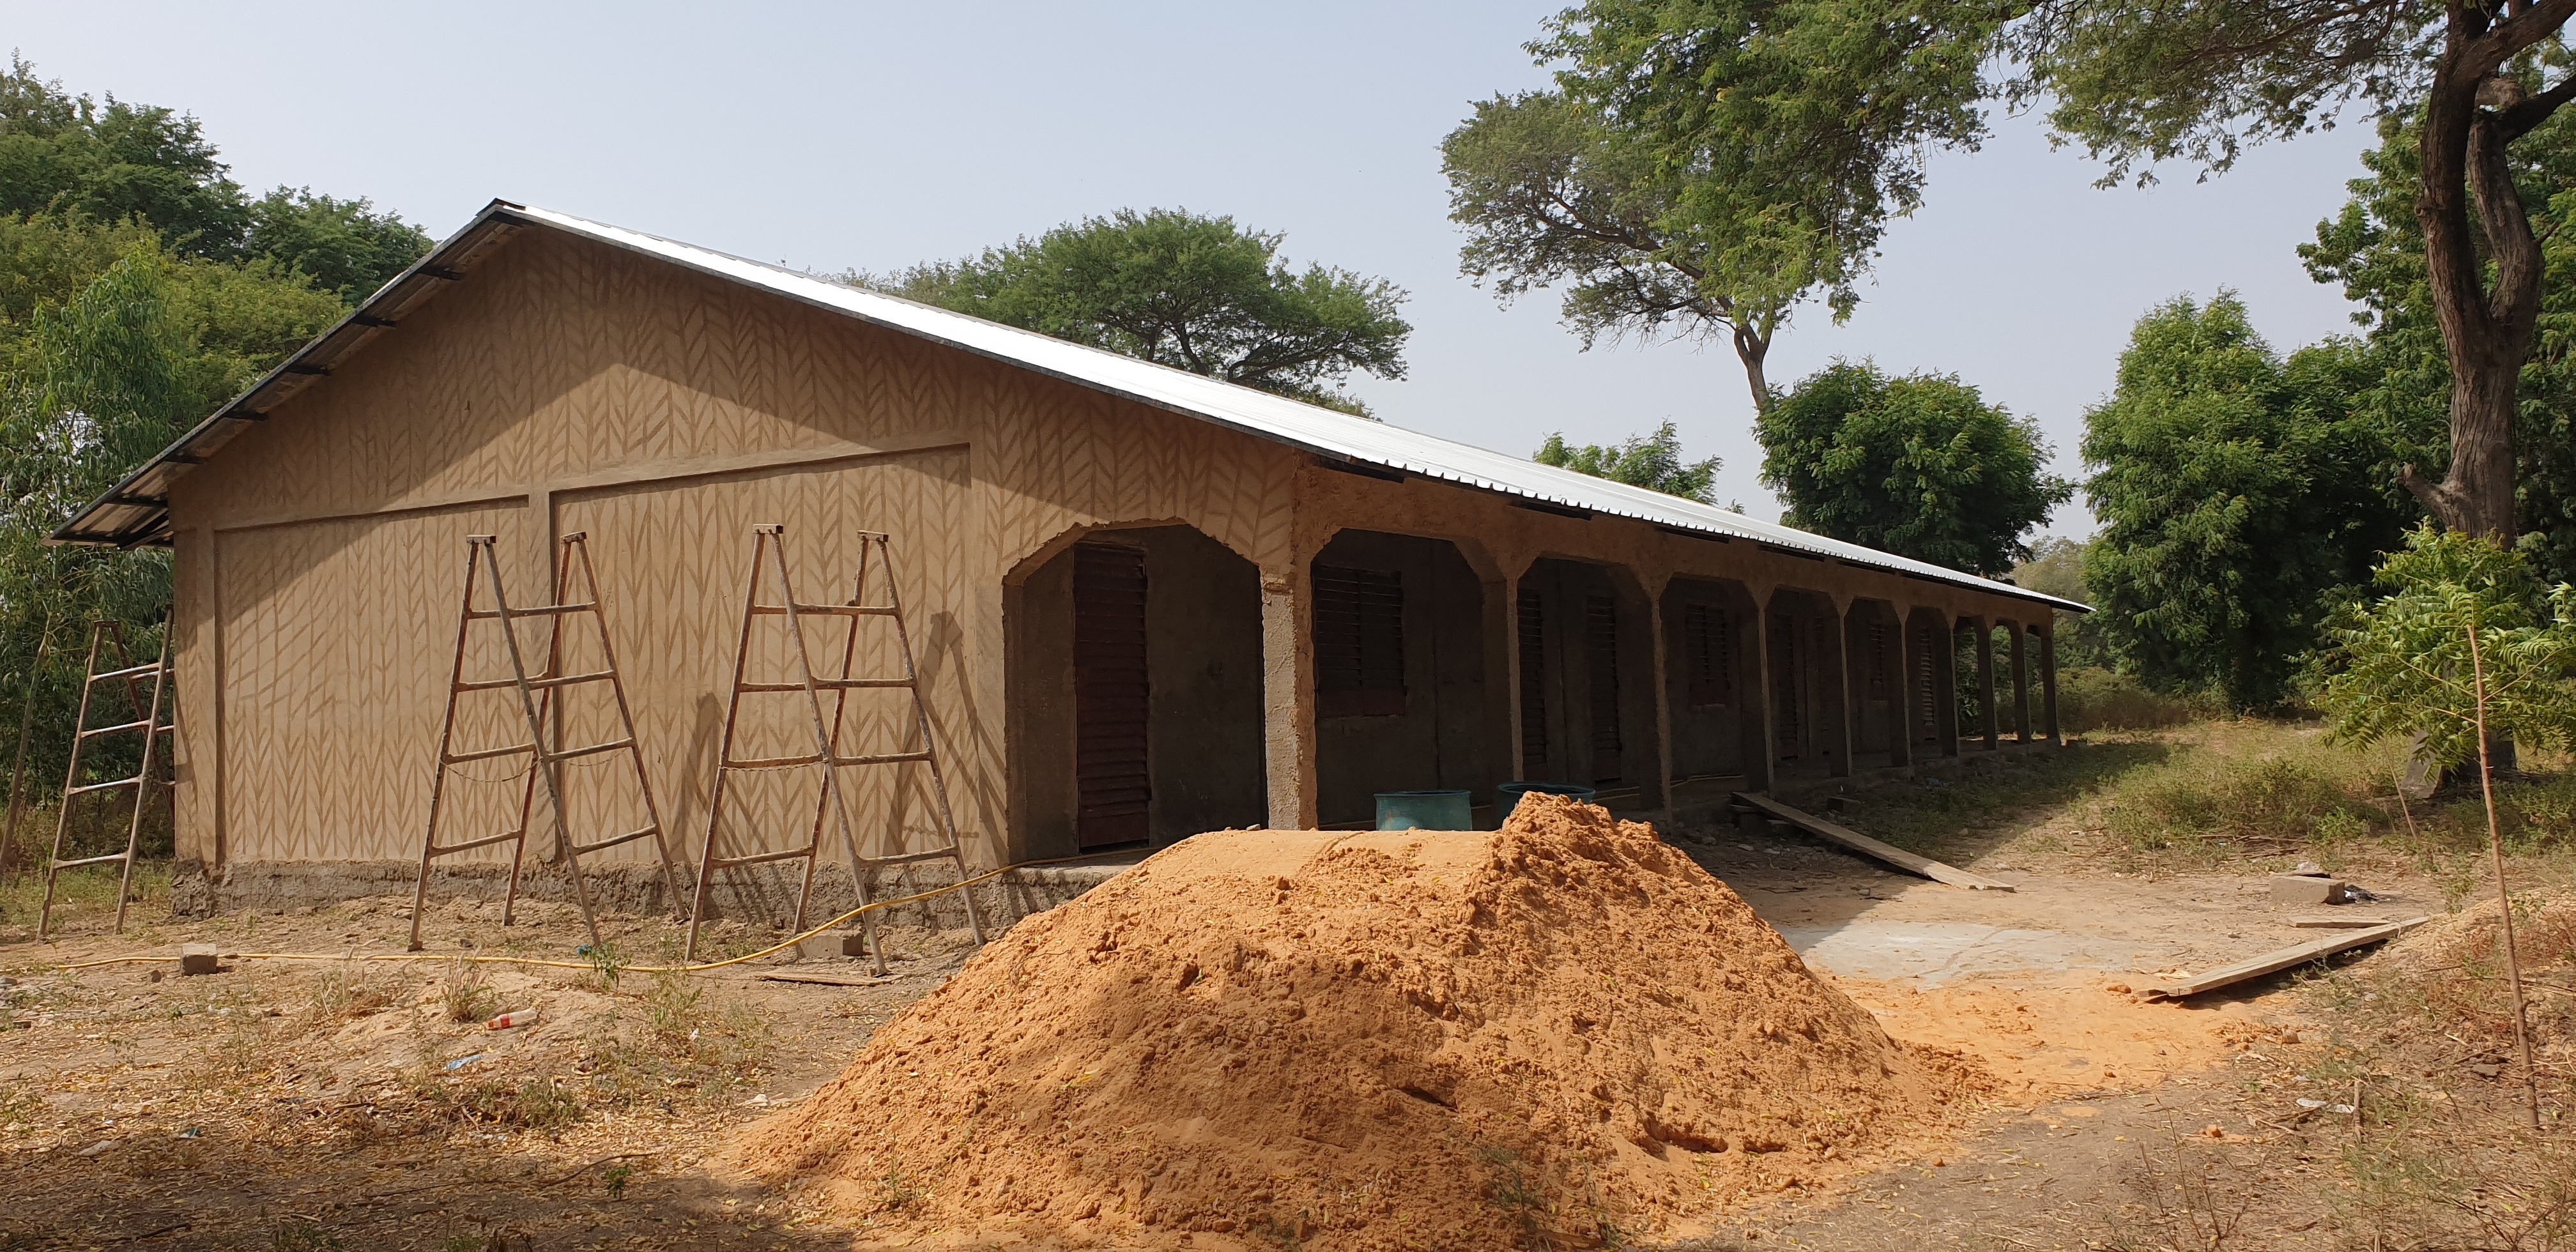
pixel 1321 430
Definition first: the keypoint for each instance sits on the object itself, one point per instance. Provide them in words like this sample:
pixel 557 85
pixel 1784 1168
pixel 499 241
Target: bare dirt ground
pixel 312 1105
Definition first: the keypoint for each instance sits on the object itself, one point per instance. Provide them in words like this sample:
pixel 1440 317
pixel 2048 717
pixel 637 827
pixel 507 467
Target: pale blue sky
pixel 832 136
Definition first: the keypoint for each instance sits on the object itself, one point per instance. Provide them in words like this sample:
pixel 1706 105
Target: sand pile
pixel 1382 1040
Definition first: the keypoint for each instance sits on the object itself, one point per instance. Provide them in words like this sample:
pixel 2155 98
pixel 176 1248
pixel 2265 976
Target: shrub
pixel 2092 698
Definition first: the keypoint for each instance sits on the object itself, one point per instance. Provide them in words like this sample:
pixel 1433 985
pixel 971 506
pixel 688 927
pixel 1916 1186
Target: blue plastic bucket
pixel 1508 796
pixel 1424 810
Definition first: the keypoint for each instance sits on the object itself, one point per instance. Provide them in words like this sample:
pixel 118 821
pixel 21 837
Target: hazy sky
pixel 833 136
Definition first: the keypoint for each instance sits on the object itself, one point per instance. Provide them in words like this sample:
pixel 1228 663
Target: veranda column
pixel 1287 686
pixel 1839 700
pixel 2048 684
pixel 2021 684
pixel 1760 736
pixel 1989 717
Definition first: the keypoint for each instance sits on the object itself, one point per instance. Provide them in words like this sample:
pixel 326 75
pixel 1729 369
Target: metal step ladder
pixel 536 700
pixel 769 553
pixel 106 638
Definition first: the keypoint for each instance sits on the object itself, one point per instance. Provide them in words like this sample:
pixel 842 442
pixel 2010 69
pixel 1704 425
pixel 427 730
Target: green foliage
pixel 2091 698
pixel 1181 289
pixel 2374 248
pixel 1650 461
pixel 77 159
pixel 1743 154
pixel 1920 466
pixel 2139 84
pixel 2239 499
pixel 2056 568
pixel 344 246
pixel 2464 632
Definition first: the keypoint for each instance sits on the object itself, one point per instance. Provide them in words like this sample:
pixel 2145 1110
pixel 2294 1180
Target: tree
pixel 2145 81
pixel 1181 289
pixel 2239 498
pixel 2056 568
pixel 1650 461
pixel 1920 466
pixel 345 246
pixel 2374 249
pixel 75 159
pixel 1705 165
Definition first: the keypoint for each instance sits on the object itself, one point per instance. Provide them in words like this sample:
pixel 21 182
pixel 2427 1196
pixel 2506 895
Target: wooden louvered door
pixel 1788 694
pixel 1111 697
pixel 1533 641
pixel 1601 657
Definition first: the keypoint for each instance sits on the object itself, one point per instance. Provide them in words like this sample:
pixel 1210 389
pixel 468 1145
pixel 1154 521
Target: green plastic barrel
pixel 1424 810
pixel 1508 796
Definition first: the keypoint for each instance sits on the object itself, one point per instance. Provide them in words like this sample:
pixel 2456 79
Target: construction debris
pixel 199 958
pixel 2274 962
pixel 1866 846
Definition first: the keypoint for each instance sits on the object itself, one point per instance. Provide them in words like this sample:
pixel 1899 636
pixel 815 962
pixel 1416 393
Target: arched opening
pixel 1587 687
pixel 1134 665
pixel 1713 681
pixel 1805 639
pixel 1402 701
pixel 1931 687
pixel 1873 645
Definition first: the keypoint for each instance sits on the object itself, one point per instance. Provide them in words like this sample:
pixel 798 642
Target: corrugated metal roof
pixel 135 511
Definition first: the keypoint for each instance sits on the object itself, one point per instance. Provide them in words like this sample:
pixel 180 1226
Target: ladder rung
pixel 825 684
pixel 90 860
pixel 776 762
pixel 472 844
pixel 109 730
pixel 540 610
pixel 629 837
pixel 135 672
pixel 487 754
pixel 535 684
pixel 908 857
pixel 761 858
pixel 891 758
pixel 832 610
pixel 122 782
pixel 593 750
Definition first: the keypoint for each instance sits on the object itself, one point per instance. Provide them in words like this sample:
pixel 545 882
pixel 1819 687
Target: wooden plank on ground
pixel 2339 923
pixel 827 980
pixel 1866 846
pixel 2274 962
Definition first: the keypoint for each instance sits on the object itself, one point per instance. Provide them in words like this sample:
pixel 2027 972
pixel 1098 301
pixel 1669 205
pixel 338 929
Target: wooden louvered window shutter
pixel 1708 655
pixel 1601 646
pixel 1359 642
pixel 1533 641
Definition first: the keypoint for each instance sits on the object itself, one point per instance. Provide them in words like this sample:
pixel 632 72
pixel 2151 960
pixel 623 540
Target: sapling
pixel 2466 650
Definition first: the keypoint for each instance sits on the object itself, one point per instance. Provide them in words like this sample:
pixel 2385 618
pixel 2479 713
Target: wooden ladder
pixel 536 699
pixel 768 553
pixel 106 638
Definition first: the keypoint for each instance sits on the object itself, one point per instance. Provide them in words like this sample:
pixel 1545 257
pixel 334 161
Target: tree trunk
pixel 1751 347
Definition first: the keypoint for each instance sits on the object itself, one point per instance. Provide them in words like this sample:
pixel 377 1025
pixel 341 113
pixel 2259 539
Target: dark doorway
pixel 1112 696
pixel 1401 658
pixel 1133 683
pixel 1601 655
pixel 1587 689
pixel 1534 684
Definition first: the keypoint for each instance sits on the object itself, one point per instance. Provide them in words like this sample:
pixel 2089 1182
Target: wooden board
pixel 2339 923
pixel 1866 846
pixel 828 980
pixel 2274 962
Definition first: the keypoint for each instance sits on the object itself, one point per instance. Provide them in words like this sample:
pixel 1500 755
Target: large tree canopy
pixel 1181 289
pixel 1705 165
pixel 2241 497
pixel 2144 81
pixel 76 157
pixel 1920 466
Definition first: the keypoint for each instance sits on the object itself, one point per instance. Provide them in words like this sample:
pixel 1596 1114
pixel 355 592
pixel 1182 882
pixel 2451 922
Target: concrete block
pixel 2303 890
pixel 854 943
pixel 197 958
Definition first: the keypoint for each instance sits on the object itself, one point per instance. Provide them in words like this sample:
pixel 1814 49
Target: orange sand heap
pixel 1382 1040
